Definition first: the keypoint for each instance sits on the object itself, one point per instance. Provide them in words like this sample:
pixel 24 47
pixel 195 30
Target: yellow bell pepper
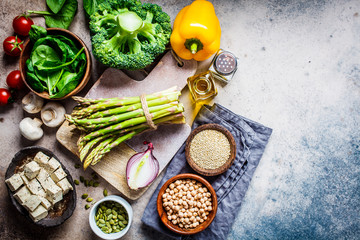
pixel 196 32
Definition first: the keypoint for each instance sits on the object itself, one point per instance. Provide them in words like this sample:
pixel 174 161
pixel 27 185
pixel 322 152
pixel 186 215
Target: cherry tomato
pixel 22 24
pixel 14 80
pixel 5 96
pixel 13 46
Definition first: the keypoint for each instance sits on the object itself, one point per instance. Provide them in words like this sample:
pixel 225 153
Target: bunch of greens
pixel 61 13
pixel 55 65
pixel 127 34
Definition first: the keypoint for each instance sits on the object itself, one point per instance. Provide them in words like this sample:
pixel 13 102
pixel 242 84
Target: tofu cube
pixel 65 186
pixel 32 202
pixel 48 183
pixel 39 213
pixel 14 182
pixel 54 194
pixel 34 186
pixel 31 170
pixel 52 165
pixel 24 178
pixel 42 176
pixel 41 158
pixel 58 175
pixel 41 193
pixel 46 204
pixel 22 195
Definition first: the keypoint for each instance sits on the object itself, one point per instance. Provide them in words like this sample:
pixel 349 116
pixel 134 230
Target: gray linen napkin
pixel 251 139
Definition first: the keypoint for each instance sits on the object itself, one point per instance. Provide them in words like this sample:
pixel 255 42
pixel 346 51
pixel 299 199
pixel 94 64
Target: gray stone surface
pixel 299 74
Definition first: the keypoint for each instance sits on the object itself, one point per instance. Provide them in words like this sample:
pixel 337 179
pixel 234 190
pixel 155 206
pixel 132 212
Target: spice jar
pixel 202 86
pixel 223 66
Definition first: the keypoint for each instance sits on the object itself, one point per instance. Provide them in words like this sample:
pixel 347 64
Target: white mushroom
pixel 31 103
pixel 31 128
pixel 53 114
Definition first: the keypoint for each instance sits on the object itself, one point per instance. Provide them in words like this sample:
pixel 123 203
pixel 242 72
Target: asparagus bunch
pixel 107 122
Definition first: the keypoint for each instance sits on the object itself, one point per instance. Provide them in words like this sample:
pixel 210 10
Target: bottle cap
pixel 225 63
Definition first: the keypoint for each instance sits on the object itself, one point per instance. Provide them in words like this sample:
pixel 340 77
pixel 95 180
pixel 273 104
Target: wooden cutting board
pixel 115 83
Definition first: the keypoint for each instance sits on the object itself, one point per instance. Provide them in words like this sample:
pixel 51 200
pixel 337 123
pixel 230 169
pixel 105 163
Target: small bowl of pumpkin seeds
pixel 111 217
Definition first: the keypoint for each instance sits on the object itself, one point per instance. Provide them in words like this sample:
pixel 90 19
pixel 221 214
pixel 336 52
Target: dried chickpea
pixel 187 203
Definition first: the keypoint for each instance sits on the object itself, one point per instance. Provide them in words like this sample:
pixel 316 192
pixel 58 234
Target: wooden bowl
pixel 63 209
pixel 222 168
pixel 25 54
pixel 176 228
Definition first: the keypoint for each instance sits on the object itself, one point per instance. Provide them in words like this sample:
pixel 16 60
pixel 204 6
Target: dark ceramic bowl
pixel 63 209
pixel 25 54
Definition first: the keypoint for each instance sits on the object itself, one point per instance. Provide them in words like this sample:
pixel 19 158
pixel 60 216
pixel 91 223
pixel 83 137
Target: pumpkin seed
pixel 87 206
pixel 76 182
pixel 84 196
pixel 105 192
pixel 82 179
pixel 89 199
pixel 109 219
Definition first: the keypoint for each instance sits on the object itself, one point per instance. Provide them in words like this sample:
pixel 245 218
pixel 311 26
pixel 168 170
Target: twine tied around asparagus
pixel 147 114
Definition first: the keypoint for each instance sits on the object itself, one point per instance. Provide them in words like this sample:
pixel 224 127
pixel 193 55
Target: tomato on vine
pixel 13 46
pixel 22 24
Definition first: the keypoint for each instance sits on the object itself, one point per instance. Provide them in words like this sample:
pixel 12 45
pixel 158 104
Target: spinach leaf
pixel 49 78
pixel 61 19
pixel 67 83
pixel 29 66
pixel 36 32
pixel 90 6
pixel 58 46
pixel 68 42
pixel 64 17
pixel 50 67
pixel 55 5
pixel 44 53
pixel 34 82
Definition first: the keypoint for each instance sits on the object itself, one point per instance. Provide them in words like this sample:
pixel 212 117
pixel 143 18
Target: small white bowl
pixel 97 230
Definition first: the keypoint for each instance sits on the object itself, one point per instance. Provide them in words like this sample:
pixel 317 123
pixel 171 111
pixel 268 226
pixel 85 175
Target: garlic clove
pixel 31 103
pixel 53 114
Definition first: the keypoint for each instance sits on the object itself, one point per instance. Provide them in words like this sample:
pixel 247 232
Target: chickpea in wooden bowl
pixel 187 204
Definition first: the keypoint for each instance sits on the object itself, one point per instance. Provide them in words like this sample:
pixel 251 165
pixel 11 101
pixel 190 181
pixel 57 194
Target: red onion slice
pixel 142 168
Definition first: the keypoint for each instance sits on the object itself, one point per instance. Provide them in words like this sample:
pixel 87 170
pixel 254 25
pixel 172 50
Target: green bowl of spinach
pixel 55 63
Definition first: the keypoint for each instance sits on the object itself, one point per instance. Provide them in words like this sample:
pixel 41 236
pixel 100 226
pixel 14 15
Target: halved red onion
pixel 142 168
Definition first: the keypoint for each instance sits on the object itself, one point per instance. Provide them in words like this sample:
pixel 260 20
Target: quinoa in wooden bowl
pixel 210 149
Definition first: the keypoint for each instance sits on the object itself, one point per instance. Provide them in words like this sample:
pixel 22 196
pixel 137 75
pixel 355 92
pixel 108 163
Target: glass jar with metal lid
pixel 223 66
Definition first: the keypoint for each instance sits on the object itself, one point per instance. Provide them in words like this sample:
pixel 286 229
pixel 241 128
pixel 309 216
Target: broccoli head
pixel 126 34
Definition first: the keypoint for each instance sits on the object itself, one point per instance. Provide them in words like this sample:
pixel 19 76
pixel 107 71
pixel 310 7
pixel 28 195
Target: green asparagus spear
pixel 106 121
pixel 171 119
pixel 133 122
pixel 113 144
